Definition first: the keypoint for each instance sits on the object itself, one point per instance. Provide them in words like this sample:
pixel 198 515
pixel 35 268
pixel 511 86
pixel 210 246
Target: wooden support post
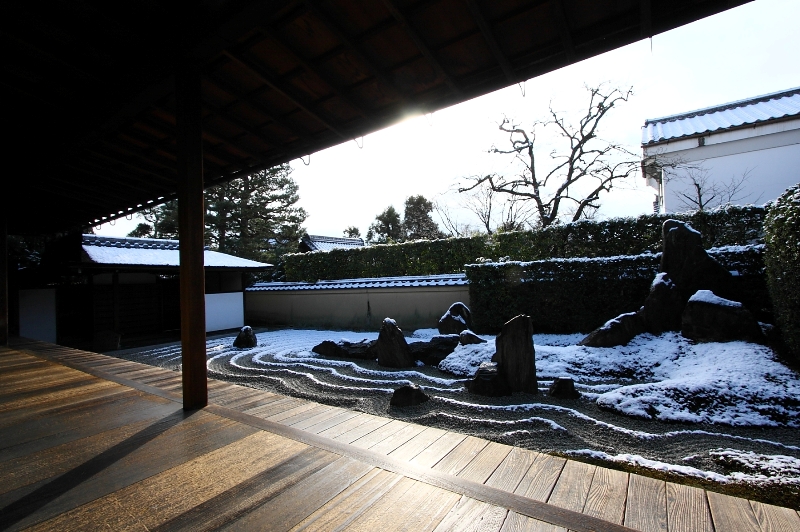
pixel 3 279
pixel 190 229
pixel 115 299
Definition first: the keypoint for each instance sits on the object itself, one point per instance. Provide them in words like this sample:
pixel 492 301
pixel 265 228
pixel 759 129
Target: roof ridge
pixel 724 107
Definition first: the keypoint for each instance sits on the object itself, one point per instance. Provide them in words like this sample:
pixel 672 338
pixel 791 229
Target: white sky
pixel 743 52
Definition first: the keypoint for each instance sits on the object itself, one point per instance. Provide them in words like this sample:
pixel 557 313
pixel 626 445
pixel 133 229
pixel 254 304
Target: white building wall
pixel 37 314
pixel 224 311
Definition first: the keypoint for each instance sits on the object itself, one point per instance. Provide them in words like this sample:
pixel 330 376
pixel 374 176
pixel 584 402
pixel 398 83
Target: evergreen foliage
pixel 782 229
pixel 616 236
pixel 417 221
pixel 387 227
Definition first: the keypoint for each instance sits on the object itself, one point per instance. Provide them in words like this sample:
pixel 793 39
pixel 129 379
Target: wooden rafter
pixel 560 18
pixel 488 35
pixel 422 47
pixel 645 9
pixel 275 85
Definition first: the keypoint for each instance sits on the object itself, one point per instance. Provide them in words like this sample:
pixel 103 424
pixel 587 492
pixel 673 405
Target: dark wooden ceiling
pixel 88 86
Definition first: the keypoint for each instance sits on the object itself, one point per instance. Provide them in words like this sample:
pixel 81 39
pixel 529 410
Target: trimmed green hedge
pixel 782 259
pixel 579 295
pixel 617 236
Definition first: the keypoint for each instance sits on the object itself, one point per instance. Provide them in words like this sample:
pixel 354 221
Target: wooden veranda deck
pixel 89 441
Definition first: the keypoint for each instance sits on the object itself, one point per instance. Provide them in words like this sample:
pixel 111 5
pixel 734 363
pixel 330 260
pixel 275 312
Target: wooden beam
pixel 421 46
pixel 645 10
pixel 267 80
pixel 488 35
pixel 189 118
pixel 4 276
pixel 560 17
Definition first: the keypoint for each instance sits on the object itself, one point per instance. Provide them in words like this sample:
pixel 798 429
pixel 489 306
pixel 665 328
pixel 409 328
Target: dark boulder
pixel 563 388
pixel 467 337
pixel 408 395
pixel 708 318
pixel 488 381
pixel 456 319
pixel 246 338
pixel 391 347
pixel 515 355
pixel 663 306
pixel 688 265
pixel 363 350
pixel 616 331
pixel 435 350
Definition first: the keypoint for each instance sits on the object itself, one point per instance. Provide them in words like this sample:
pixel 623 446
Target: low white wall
pixel 360 309
pixel 224 311
pixel 37 314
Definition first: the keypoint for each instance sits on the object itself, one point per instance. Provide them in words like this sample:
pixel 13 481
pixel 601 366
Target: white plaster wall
pixel 37 314
pixel 360 309
pixel 224 311
pixel 771 171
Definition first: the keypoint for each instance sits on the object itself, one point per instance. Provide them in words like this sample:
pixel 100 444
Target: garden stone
pixel 246 338
pixel 363 350
pixel 688 265
pixel 563 388
pixel 488 381
pixel 391 348
pixel 456 319
pixel 468 337
pixel 408 395
pixel 708 318
pixel 435 350
pixel 663 306
pixel 616 331
pixel 515 355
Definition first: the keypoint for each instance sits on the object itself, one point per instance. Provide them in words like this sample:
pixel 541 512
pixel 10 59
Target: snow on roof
pixel 455 279
pixel 153 252
pixel 327 243
pixel 755 110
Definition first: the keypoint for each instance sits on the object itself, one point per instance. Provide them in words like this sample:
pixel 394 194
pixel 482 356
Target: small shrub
pixel 782 260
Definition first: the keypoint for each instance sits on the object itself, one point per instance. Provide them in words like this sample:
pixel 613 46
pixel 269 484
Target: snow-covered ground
pixel 726 412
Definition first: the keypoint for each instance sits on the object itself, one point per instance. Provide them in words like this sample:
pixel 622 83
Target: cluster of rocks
pixel 693 294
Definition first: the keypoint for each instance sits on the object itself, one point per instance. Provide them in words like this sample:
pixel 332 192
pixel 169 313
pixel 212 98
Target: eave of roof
pixel 456 279
pixel 767 108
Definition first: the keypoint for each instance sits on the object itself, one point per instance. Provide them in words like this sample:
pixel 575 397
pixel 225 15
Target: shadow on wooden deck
pixel 89 441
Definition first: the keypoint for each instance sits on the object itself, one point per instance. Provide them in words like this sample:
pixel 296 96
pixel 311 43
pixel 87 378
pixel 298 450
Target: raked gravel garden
pixel 724 415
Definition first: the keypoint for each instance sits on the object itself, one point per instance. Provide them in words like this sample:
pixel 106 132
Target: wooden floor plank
pixel 341 416
pixel 171 494
pixel 417 444
pixel 397 439
pixel 162 445
pixel 485 462
pixel 572 488
pixel 522 523
pixel 541 478
pixel 607 495
pixel 473 516
pixel 295 504
pixel 346 426
pixel 351 503
pixel 273 407
pixel 300 414
pixel 59 396
pixel 461 455
pixel 646 509
pixel 687 509
pixel 379 434
pixel 321 416
pixel 774 518
pixel 512 469
pixel 438 449
pixel 372 424
pixel 732 513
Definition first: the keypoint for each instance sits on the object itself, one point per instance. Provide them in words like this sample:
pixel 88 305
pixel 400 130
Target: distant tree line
pixel 416 224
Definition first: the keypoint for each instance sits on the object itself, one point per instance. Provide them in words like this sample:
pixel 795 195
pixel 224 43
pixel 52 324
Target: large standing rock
pixel 456 319
pixel 246 338
pixel 434 351
pixel 688 265
pixel 708 318
pixel 662 308
pixel 488 381
pixel 515 355
pixel 363 350
pixel 408 395
pixel 391 348
pixel 616 331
